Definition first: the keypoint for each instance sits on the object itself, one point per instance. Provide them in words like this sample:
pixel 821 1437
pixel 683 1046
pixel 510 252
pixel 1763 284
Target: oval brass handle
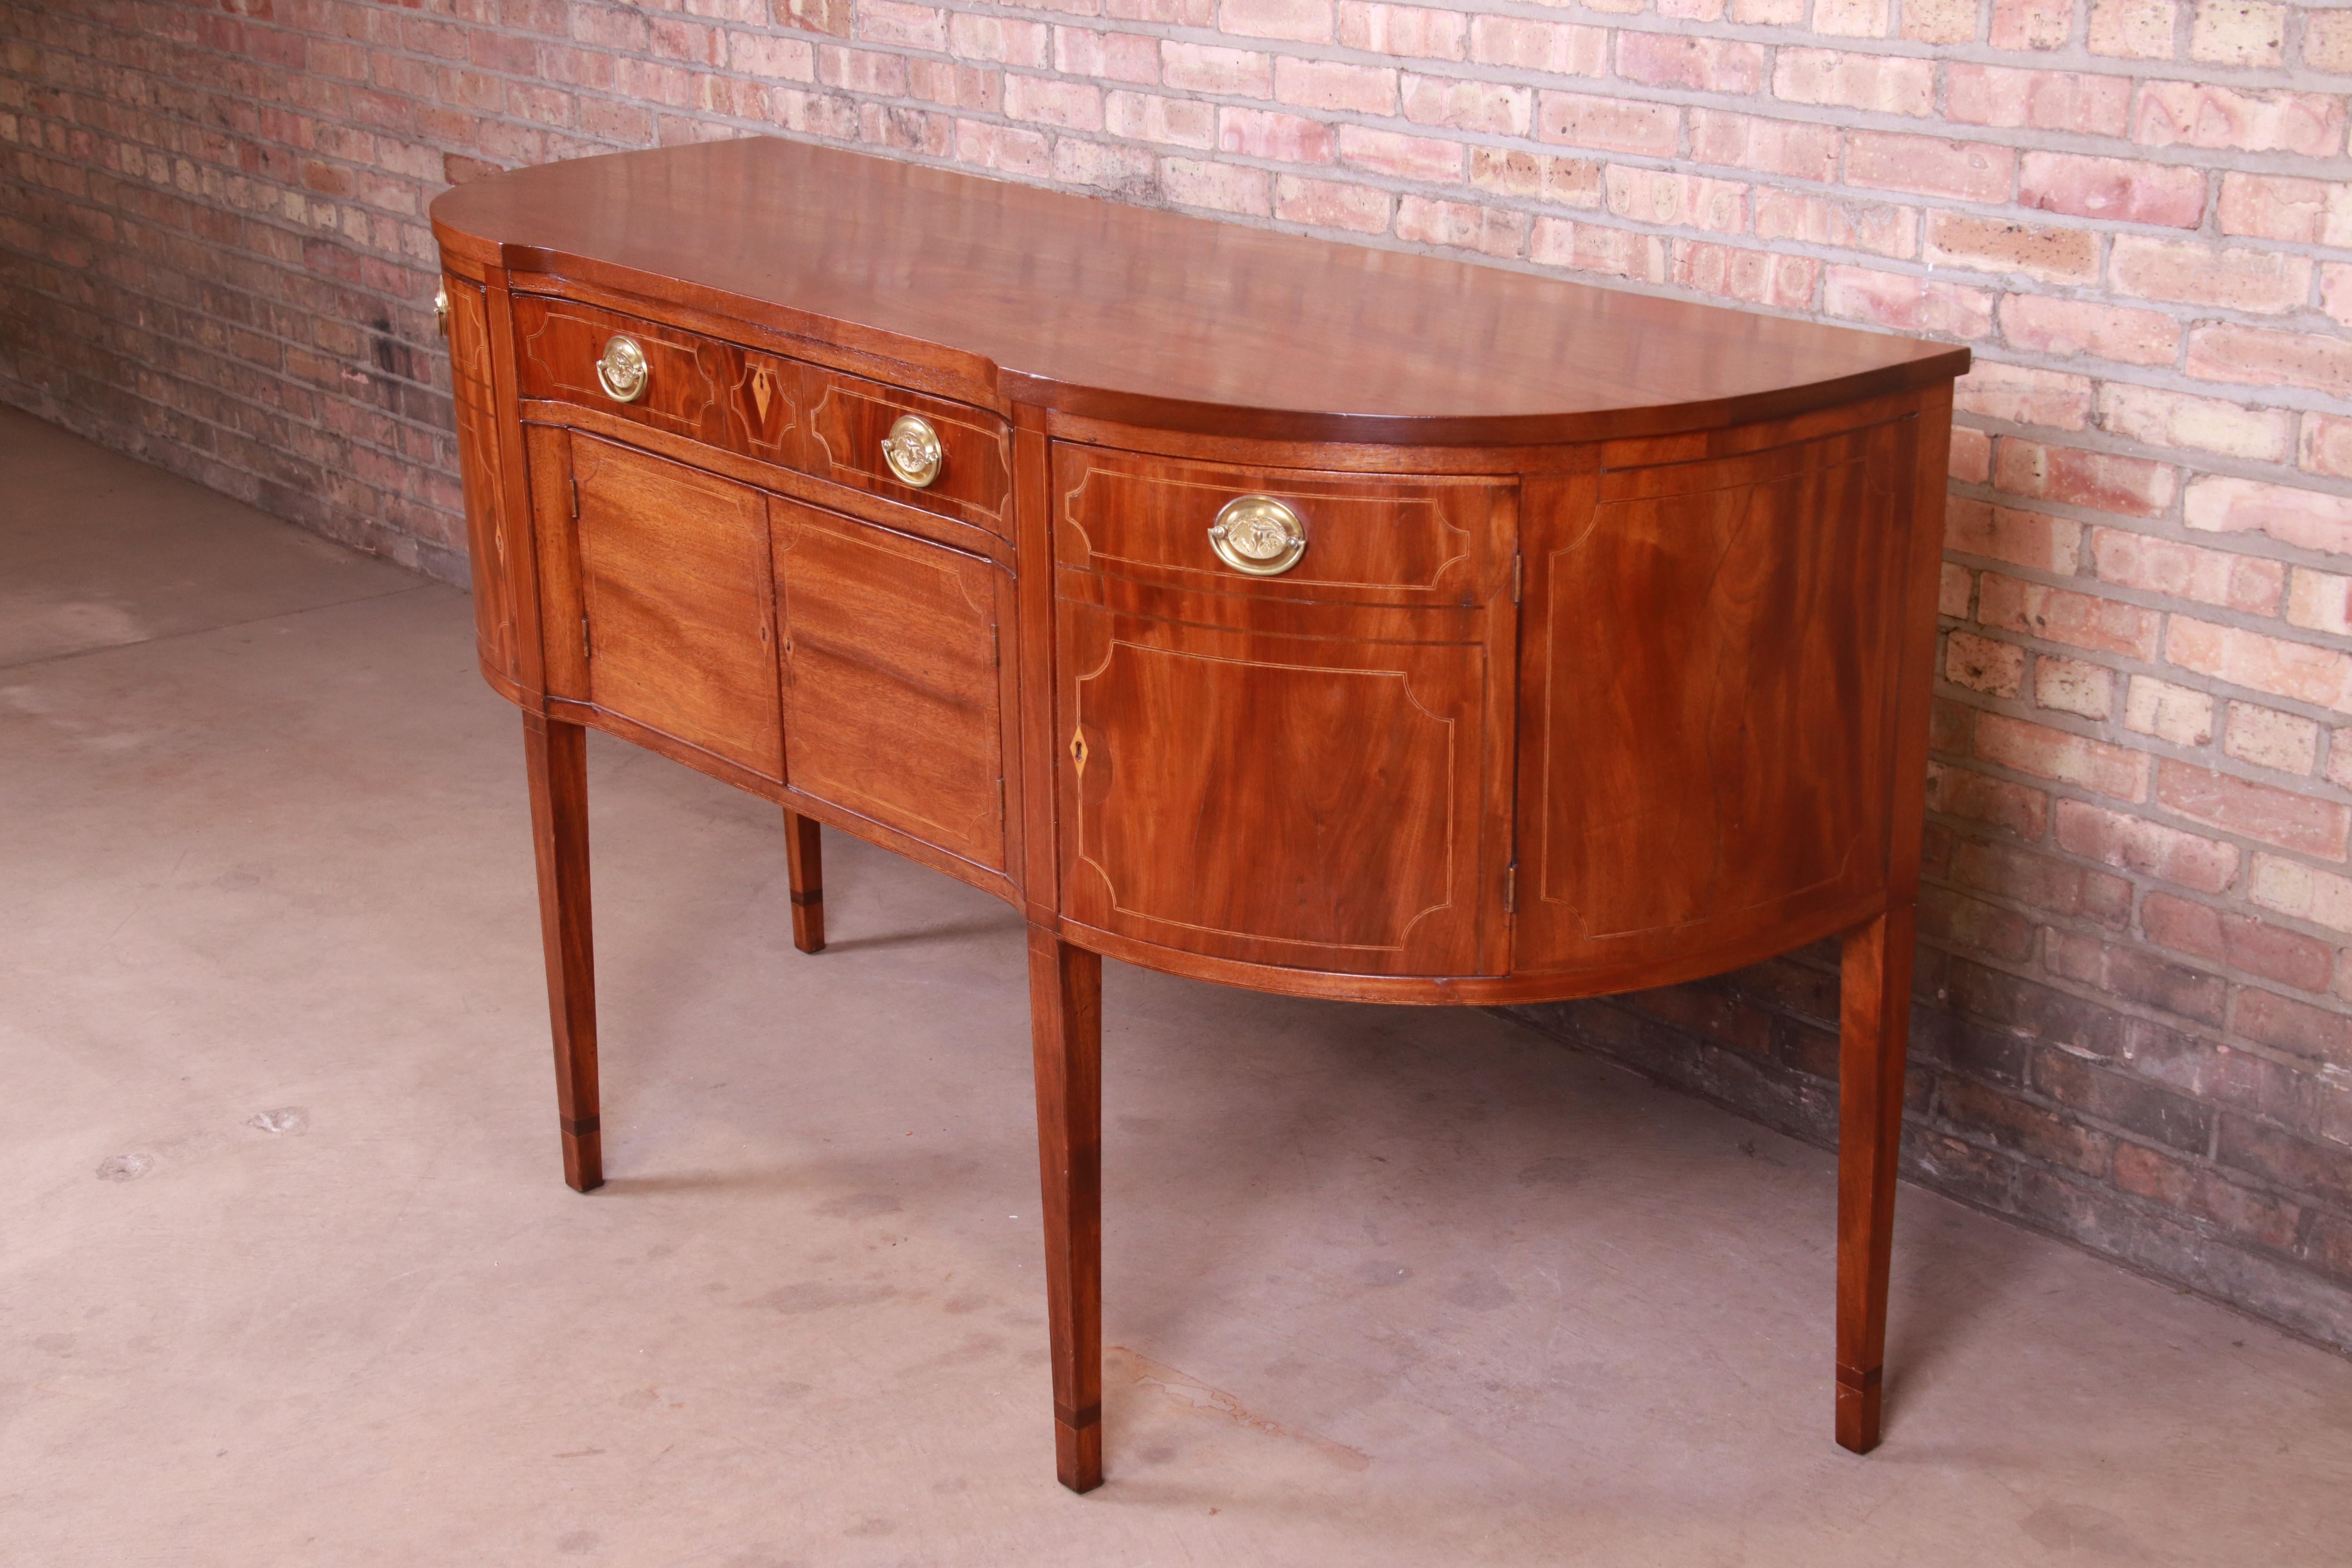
pixel 1259 535
pixel 441 309
pixel 621 369
pixel 913 450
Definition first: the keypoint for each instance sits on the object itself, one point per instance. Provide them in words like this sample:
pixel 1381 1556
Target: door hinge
pixel 586 650
pixel 575 499
pixel 1511 888
pixel 1518 574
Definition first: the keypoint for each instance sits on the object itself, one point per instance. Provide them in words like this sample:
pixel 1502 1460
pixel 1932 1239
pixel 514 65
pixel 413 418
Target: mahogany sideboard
pixel 1291 615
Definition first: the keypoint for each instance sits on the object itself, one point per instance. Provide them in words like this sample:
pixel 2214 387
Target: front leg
pixel 804 868
pixel 556 758
pixel 1874 1027
pixel 1065 1030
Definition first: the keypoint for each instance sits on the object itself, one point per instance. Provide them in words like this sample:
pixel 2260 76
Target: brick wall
pixel 2133 1025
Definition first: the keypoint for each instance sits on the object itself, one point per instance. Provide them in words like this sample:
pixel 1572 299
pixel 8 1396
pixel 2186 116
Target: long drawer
pixel 823 423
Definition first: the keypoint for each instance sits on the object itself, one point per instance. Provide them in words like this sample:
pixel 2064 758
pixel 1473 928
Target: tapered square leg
pixel 804 862
pixel 1065 1028
pixel 556 758
pixel 1873 1030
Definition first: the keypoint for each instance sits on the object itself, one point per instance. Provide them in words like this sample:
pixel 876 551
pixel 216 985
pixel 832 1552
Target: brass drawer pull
pixel 1259 535
pixel 913 450
pixel 621 370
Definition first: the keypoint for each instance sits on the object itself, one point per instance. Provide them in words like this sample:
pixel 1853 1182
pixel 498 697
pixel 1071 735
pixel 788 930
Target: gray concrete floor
pixel 288 1273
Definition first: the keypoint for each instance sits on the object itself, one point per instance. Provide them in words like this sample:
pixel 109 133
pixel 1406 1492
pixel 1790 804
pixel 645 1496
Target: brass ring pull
pixel 913 450
pixel 1259 535
pixel 441 309
pixel 622 370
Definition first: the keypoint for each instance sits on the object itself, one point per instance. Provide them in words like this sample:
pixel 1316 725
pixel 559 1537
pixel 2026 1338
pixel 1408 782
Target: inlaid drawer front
pixel 922 451
pixel 649 373
pixel 1282 532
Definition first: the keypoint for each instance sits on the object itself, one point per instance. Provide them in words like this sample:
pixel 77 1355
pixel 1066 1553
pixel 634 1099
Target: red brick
pixel 1972 461
pixel 1906 302
pixel 1325 204
pixel 2061 615
pixel 2279 206
pixel 1217 187
pixel 2300 1029
pixel 1495 108
pixel 2106 481
pixel 1069 105
pixel 1609 124
pixel 2039 882
pixel 2308 519
pixel 1404 157
pixel 2024 395
pixel 2050 754
pixel 2087 104
pixel 2257 356
pixel 2177 1185
pixel 2161 418
pixel 2203 114
pixel 1983 665
pixel 1465 226
pixel 1980 797
pixel 1203 67
pixel 1113 57
pixel 2006 533
pixel 1408 30
pixel 1883 84
pixel 1334 84
pixel 1757 276
pixel 2257 281
pixel 1953 920
pixel 2295 670
pixel 1299 21
pixel 1547 46
pixel 2241 942
pixel 2326 446
pixel 1974 171
pixel 2150 848
pixel 1536 176
pixel 1877 226
pixel 1687 201
pixel 2031 24
pixel 1586 248
pixel 2132 560
pixel 2122 189
pixel 2297 822
pixel 1685 60
pixel 2136 29
pixel 1798 149
pixel 2003 246
pixel 1283 138
pixel 2040 323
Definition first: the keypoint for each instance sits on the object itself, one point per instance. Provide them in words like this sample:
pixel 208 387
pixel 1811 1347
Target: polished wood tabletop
pixel 1323 620
pixel 1124 312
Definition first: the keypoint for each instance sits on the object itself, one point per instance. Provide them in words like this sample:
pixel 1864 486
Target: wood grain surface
pixel 1122 313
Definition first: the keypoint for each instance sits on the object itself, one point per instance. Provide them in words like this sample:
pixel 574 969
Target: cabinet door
pixel 1304 787
pixel 669 622
pixel 893 706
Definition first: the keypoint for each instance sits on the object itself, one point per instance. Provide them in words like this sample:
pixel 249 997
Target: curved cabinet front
pixel 1363 625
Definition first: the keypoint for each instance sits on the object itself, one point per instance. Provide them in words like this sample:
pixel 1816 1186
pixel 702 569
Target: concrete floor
pixel 288 1273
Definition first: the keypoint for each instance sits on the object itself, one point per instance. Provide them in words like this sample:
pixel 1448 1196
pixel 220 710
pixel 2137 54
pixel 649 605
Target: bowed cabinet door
pixel 1308 788
pixel 659 607
pixel 893 705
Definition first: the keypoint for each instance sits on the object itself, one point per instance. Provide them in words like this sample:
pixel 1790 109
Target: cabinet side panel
pixel 1710 660
pixel 496 567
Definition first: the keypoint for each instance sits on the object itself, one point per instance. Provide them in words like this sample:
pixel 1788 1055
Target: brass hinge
pixel 586 650
pixel 575 500
pixel 1511 888
pixel 1518 574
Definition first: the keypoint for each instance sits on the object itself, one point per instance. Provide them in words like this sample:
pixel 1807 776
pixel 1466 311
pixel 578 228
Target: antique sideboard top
pixel 1127 313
